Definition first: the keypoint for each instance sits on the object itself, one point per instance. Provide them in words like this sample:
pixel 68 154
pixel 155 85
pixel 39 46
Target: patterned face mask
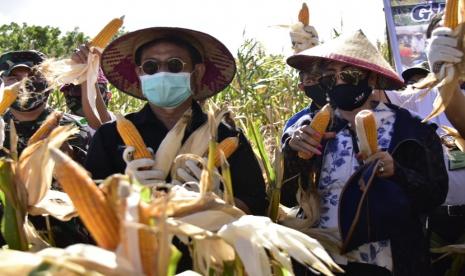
pixel 34 95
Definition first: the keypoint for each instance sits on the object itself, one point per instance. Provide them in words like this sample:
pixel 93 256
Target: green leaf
pixel 259 141
pixel 12 225
pixel 175 257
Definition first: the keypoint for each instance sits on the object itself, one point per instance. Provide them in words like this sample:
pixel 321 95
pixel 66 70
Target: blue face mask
pixel 166 89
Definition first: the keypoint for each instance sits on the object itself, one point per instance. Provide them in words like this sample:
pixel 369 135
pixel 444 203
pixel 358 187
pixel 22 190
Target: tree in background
pixel 48 40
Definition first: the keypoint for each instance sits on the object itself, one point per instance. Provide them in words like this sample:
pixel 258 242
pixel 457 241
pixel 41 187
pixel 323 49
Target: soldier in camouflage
pixel 28 112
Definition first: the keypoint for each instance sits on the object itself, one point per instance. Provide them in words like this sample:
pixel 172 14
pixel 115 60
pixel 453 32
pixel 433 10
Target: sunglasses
pixel 153 66
pixel 349 76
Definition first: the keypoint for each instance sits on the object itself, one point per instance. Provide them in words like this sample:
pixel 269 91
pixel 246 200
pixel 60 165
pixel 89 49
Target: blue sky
pixel 226 20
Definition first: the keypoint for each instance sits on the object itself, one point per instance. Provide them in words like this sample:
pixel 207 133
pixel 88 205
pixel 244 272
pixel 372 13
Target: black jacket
pixel 106 150
pixel 419 169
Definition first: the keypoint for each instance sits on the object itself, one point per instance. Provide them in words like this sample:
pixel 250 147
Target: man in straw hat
pixel 377 203
pixel 172 69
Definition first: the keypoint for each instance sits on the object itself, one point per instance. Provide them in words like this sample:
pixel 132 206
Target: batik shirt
pixel 339 163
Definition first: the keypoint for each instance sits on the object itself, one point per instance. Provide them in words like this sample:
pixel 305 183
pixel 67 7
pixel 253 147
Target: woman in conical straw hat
pixel 375 204
pixel 172 69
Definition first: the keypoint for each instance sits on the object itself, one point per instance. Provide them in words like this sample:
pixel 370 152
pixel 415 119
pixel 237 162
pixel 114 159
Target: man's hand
pixel 141 169
pixel 442 53
pixel 191 174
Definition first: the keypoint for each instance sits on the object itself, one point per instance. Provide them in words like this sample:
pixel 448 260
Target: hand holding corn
pixel 191 173
pixel 142 168
pixel 307 141
pixel 386 168
pixel 442 52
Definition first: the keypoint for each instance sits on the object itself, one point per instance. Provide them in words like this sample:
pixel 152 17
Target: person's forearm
pixel 93 121
pixel 455 112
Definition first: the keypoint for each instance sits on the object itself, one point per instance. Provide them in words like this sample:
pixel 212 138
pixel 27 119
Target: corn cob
pixel 102 39
pixel 50 123
pixel 131 137
pixel 148 243
pixel 451 19
pixel 228 146
pixel 304 15
pixel 367 133
pixel 319 123
pixel 10 93
pixel 90 202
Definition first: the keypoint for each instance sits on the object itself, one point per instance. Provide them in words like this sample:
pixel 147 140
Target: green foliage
pixel 49 40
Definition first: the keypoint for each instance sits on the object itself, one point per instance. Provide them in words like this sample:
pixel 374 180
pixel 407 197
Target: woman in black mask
pixel 382 239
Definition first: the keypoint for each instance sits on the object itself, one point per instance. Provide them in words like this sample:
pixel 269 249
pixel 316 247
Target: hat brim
pixel 355 50
pixel 408 73
pixel 118 60
pixel 16 66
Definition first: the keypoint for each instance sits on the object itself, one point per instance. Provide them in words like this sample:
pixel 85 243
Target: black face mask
pixel 350 96
pixel 317 94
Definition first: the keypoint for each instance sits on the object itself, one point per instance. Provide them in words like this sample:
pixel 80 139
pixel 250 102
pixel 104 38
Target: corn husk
pixel 35 166
pixel 250 235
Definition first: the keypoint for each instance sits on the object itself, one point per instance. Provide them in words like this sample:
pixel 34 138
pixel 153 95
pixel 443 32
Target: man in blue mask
pixel 173 69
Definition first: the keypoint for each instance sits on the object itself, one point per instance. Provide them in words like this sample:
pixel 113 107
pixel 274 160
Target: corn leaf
pixel 14 214
pixel 259 141
pixel 175 257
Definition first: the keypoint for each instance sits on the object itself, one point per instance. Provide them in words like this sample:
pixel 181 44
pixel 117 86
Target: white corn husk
pixel 211 220
pixel 171 144
pixel 56 204
pixel 35 166
pixel 92 258
pixel 250 235
pixel 129 246
pixel 2 132
pixel 34 239
pixel 78 259
pixel 197 143
pixel 65 71
pixel 211 253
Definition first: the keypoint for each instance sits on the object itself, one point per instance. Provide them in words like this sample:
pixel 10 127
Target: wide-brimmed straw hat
pixel 118 59
pixel 354 49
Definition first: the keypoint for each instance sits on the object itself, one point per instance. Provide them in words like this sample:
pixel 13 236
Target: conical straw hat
pixel 354 49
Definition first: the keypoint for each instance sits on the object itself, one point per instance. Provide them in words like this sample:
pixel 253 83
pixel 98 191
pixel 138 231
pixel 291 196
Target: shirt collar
pixel 146 116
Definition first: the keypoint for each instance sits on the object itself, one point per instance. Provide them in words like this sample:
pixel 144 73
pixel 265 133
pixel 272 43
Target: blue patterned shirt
pixel 339 163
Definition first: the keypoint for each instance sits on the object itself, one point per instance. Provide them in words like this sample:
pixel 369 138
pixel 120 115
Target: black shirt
pixel 105 155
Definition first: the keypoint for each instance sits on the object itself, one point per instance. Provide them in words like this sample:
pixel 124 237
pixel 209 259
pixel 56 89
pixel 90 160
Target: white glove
pixel 442 53
pixel 191 175
pixel 138 168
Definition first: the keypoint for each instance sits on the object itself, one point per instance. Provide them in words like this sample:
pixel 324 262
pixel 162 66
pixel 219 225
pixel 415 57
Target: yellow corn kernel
pixel 50 123
pixel 90 202
pixel 131 137
pixel 451 12
pixel 102 39
pixel 304 15
pixel 228 146
pixel 319 123
pixel 367 133
pixel 148 242
pixel 10 93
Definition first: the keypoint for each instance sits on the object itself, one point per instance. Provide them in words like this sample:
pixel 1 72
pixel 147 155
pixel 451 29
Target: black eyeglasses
pixel 152 66
pixel 349 76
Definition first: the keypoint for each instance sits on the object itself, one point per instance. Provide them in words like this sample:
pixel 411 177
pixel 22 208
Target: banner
pixel 407 21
